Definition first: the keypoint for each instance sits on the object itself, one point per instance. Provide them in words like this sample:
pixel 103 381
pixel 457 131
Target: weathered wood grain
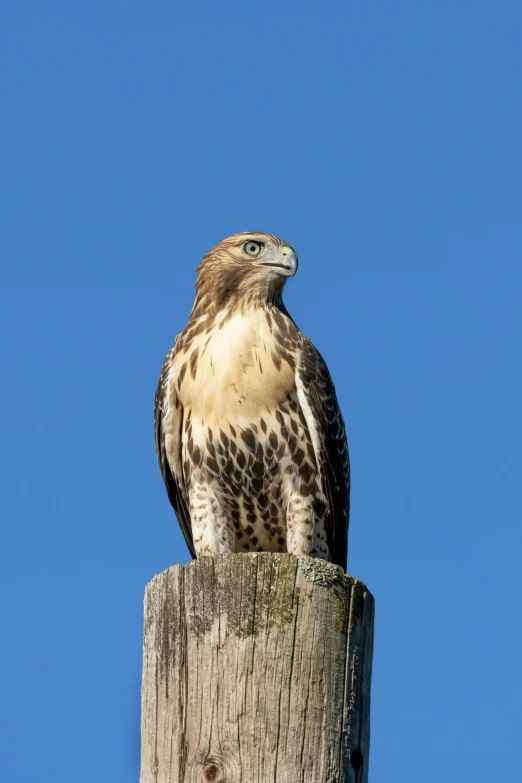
pixel 256 669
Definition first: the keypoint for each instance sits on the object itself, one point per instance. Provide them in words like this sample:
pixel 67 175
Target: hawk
pixel 249 435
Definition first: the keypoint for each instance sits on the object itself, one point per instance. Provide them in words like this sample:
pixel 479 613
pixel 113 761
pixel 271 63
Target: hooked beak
pixel 286 265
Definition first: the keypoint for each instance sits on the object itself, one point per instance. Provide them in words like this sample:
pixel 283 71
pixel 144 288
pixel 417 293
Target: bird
pixel 249 434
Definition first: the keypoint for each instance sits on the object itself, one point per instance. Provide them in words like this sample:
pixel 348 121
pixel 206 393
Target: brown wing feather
pixel 334 461
pixel 164 402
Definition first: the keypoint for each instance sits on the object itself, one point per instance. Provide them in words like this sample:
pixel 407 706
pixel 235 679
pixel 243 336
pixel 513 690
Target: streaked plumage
pixel 249 435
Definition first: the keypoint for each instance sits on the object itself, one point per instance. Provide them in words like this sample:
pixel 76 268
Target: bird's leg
pixel 212 532
pixel 305 529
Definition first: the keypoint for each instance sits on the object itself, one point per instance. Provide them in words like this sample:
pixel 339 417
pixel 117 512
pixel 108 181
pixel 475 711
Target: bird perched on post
pixel 249 435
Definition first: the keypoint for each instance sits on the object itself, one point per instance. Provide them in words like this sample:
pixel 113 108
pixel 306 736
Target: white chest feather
pixel 229 373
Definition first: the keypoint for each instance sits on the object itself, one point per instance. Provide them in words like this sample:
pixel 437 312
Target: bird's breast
pixel 233 371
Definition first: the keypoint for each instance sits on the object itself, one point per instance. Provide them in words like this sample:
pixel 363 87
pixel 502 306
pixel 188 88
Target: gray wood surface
pixel 256 668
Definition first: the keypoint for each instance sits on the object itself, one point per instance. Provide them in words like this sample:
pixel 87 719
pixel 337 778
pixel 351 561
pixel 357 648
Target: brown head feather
pixel 228 278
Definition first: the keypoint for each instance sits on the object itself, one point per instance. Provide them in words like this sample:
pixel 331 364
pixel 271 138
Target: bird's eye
pixel 252 248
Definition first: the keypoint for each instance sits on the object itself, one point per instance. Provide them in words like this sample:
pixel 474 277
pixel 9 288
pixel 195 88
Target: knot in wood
pixel 213 771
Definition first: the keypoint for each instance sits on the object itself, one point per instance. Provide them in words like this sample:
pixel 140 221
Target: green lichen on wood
pixel 253 592
pixel 320 572
pixel 263 596
pixel 341 606
pixel 331 577
pixel 249 593
pixel 283 592
pixel 236 587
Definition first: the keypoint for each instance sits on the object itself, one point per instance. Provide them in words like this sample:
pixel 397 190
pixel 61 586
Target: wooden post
pixel 256 669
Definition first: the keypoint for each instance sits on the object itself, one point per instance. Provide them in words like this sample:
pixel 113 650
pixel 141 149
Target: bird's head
pixel 245 268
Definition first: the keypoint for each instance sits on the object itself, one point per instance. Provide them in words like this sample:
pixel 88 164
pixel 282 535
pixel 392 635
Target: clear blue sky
pixel 383 139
